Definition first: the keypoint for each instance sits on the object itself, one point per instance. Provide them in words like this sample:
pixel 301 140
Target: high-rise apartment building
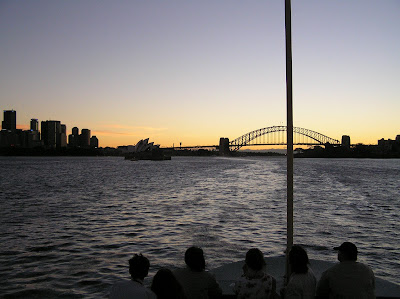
pixel 346 141
pixel 52 134
pixel 31 138
pixel 94 142
pixel 63 136
pixel 50 130
pixel 73 139
pixel 34 124
pixel 43 132
pixel 84 138
pixel 10 120
pixel 75 131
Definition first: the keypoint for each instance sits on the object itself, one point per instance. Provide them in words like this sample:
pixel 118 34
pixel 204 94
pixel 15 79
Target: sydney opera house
pixel 144 150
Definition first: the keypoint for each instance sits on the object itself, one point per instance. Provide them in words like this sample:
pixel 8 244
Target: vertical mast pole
pixel 289 130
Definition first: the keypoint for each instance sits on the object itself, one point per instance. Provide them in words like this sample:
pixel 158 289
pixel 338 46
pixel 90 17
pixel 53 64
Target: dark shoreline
pixel 357 152
pixel 37 152
pixel 102 152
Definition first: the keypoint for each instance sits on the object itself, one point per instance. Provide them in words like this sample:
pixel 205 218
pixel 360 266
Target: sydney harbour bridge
pixel 275 135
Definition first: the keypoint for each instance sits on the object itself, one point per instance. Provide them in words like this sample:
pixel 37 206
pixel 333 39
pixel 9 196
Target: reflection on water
pixel 71 224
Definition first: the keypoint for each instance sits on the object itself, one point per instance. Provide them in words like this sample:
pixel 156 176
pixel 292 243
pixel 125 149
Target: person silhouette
pixel 348 278
pixel 134 288
pixel 255 282
pixel 166 286
pixel 196 282
pixel 302 281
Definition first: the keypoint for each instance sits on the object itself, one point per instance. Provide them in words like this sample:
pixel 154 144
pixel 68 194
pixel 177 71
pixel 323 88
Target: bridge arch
pixel 245 139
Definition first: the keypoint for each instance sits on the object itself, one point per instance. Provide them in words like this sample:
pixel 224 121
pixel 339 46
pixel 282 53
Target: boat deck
pixel 226 275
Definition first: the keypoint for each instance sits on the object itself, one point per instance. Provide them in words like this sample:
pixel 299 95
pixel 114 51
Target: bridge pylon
pixel 224 146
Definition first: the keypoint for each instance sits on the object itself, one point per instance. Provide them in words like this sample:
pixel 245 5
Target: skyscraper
pixel 63 136
pixel 10 120
pixel 32 137
pixel 43 132
pixel 75 131
pixel 51 133
pixel 84 138
pixel 346 141
pixel 34 124
pixel 73 139
pixel 94 142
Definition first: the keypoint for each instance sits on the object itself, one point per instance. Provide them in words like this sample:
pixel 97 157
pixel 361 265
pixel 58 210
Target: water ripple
pixel 71 236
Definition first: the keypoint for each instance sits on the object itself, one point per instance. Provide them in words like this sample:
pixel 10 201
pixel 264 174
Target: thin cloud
pixel 110 133
pixel 127 130
pixel 141 128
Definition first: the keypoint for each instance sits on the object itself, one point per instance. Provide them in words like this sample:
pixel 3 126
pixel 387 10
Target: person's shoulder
pixel 119 287
pixel 129 288
pixel 180 272
pixel 364 266
pixel 354 265
pixel 206 276
pixel 301 276
pixel 335 267
pixel 122 284
pixel 186 273
pixel 331 270
pixel 310 274
pixel 150 294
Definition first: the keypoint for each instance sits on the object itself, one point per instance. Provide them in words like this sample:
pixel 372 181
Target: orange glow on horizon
pixel 120 135
pixel 23 127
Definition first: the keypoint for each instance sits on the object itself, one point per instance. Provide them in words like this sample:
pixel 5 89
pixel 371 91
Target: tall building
pixel 84 138
pixel 75 131
pixel 31 138
pixel 73 139
pixel 52 134
pixel 34 124
pixel 63 136
pixel 10 120
pixel 94 142
pixel 43 132
pixel 53 129
pixel 346 141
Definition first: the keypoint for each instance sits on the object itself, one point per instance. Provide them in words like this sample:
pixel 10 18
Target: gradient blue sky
pixel 195 71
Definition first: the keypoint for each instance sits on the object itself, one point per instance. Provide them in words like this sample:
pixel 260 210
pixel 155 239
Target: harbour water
pixel 69 224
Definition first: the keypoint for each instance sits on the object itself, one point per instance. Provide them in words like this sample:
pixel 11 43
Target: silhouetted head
pixel 347 252
pixel 255 259
pixel 165 285
pixel 298 259
pixel 139 266
pixel 194 258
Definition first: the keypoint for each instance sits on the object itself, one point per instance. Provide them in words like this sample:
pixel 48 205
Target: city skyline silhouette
pixel 52 134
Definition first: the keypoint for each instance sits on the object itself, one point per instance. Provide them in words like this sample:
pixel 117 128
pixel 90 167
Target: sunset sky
pixel 195 71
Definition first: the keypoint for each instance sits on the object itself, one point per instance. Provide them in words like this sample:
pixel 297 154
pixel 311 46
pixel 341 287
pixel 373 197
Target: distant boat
pixel 155 155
